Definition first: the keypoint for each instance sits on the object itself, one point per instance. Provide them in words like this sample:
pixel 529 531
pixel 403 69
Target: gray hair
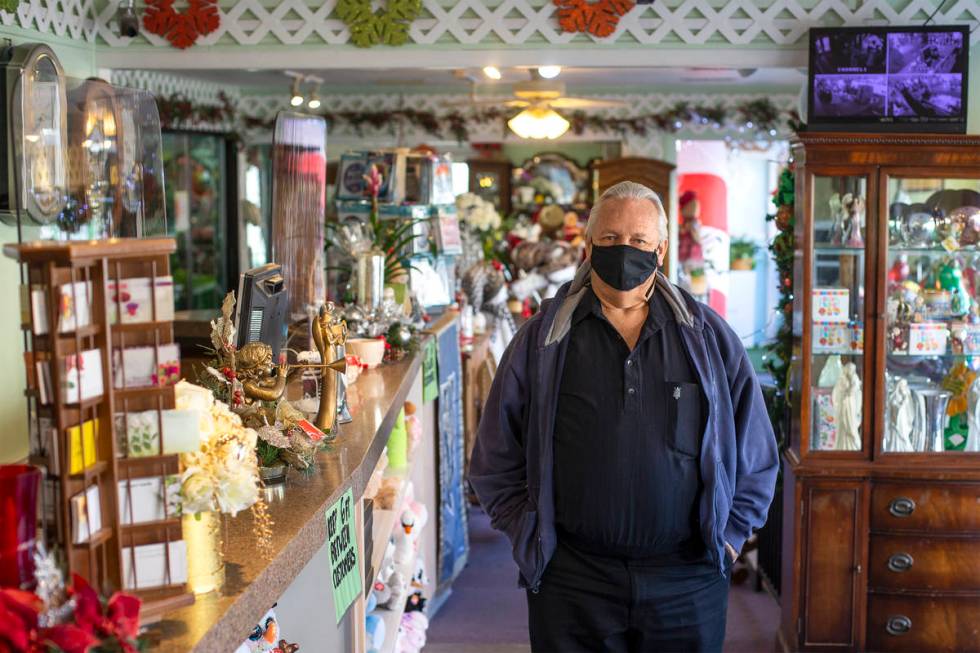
pixel 628 190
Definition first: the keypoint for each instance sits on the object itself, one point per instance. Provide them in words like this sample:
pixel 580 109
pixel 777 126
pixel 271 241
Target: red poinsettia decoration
pixel 181 28
pixel 94 625
pixel 599 18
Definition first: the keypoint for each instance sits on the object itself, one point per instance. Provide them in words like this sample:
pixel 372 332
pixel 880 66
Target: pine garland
pixel 759 117
pixel 780 350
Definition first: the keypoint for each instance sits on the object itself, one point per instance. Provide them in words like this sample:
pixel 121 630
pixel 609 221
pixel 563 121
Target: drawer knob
pixel 900 562
pixel 901 507
pixel 898 624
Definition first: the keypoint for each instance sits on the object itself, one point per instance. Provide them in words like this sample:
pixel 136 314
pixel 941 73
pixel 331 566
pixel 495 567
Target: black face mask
pixel 622 266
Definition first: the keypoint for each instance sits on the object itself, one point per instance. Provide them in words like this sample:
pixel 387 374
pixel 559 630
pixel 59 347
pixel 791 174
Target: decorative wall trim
pixel 495 23
pixel 501 23
pixel 74 19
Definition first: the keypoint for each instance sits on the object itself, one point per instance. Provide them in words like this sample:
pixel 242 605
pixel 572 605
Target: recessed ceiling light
pixel 549 72
pixel 492 72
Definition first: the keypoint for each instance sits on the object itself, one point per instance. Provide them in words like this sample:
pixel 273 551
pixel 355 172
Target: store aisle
pixel 487 614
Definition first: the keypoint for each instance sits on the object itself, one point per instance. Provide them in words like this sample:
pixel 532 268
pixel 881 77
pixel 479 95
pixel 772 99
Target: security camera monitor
pixel 262 305
pixel 889 78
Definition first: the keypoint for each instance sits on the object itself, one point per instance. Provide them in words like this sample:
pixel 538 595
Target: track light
pixel 314 102
pixel 492 72
pixel 297 95
pixel 549 72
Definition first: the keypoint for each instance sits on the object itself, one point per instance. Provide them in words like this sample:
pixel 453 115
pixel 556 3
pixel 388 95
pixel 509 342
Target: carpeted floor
pixel 486 613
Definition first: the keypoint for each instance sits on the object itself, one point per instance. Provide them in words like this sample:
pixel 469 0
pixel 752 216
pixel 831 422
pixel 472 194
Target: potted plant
pixel 699 281
pixel 742 254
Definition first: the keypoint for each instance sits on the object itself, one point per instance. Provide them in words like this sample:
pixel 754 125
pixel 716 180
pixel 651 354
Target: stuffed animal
pixel 375 627
pixel 411 632
pixel 265 637
pixel 399 590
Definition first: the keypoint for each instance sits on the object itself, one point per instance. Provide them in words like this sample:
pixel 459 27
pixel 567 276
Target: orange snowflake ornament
pixel 598 18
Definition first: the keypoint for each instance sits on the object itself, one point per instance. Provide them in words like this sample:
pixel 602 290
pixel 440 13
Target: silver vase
pixel 370 278
pixel 930 427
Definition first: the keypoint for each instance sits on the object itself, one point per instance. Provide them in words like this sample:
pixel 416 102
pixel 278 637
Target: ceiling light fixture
pixel 492 72
pixel 314 102
pixel 538 122
pixel 549 72
pixel 296 98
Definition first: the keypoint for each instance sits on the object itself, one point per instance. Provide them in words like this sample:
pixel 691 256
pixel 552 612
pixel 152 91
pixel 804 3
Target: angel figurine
pixel 837 215
pixel 846 398
pixel 901 417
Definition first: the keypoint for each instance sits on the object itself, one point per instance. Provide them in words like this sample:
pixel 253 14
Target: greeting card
pixel 86 515
pixel 138 367
pixel 74 307
pixel 133 300
pixel 145 566
pixel 82 446
pixel 831 304
pixel 82 378
pixel 149 499
pixel 139 433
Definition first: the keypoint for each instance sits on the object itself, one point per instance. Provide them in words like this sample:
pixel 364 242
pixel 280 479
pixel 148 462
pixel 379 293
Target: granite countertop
pixel 220 621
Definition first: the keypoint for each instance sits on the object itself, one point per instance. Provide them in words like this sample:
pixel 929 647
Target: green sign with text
pixel 345 575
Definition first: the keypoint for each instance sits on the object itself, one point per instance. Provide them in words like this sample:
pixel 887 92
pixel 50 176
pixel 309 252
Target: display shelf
pixel 384 521
pixel 393 618
pixel 838 250
pixel 937 250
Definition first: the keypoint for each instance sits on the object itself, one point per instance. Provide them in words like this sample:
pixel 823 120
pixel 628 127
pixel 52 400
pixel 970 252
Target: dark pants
pixel 593 603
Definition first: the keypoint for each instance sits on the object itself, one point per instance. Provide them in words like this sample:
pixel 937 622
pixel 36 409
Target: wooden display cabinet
pixel 882 505
pixel 86 269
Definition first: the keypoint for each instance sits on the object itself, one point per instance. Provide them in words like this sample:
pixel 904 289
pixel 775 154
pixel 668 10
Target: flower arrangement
pixel 222 476
pixel 477 213
pixel 82 623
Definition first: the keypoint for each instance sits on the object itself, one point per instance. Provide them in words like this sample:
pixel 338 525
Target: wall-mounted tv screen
pixel 889 78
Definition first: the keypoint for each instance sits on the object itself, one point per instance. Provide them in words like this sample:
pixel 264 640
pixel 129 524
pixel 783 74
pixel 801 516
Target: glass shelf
pixel 837 250
pixel 929 403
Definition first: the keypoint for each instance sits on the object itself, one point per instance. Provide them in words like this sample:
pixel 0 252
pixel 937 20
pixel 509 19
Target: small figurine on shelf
pixel 898 339
pixel 847 403
pixel 837 216
pixel 329 331
pixel 901 417
pixel 853 206
pixel 261 379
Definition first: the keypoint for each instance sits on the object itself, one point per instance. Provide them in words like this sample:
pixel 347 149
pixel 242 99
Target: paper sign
pixel 345 574
pixel 831 304
pixel 311 431
pixel 430 371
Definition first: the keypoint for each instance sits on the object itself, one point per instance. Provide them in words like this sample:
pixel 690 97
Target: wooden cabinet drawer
pixel 914 562
pixel 925 506
pixel 923 624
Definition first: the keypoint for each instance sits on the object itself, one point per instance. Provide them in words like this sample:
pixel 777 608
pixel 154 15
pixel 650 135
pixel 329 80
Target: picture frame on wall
pixel 355 165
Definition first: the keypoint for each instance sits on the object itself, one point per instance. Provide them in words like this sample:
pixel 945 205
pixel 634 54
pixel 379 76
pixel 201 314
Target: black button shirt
pixel 627 438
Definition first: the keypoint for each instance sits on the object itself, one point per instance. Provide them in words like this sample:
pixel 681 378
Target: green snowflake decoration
pixel 10 6
pixel 387 26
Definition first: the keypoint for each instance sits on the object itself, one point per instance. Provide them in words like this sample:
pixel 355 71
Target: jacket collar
pixel 569 296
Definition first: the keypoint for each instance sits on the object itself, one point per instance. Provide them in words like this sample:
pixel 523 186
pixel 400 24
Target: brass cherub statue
pixel 261 379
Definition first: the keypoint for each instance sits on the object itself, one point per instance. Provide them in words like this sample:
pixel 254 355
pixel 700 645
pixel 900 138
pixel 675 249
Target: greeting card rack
pixel 75 311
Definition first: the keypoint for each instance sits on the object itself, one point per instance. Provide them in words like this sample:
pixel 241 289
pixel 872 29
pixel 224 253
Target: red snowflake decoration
pixel 181 28
pixel 599 18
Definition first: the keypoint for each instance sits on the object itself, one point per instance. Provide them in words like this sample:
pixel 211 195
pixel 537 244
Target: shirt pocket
pixel 684 417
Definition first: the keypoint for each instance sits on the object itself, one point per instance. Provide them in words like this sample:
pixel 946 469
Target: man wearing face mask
pixel 625 449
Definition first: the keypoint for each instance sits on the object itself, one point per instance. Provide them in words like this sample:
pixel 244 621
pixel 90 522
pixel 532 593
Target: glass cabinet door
pixel 932 321
pixel 836 312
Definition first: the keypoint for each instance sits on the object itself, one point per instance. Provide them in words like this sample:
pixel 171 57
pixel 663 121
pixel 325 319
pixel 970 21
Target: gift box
pixel 825 421
pixel 831 305
pixel 927 338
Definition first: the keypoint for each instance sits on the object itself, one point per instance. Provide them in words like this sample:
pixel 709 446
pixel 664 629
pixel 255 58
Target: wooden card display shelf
pixel 61 278
pixel 881 525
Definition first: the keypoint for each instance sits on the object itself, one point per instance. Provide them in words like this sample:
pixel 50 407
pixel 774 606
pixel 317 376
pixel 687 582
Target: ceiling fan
pixel 536 91
pixel 539 98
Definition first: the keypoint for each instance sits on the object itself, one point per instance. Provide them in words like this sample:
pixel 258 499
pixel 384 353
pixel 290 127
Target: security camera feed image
pixel 904 75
